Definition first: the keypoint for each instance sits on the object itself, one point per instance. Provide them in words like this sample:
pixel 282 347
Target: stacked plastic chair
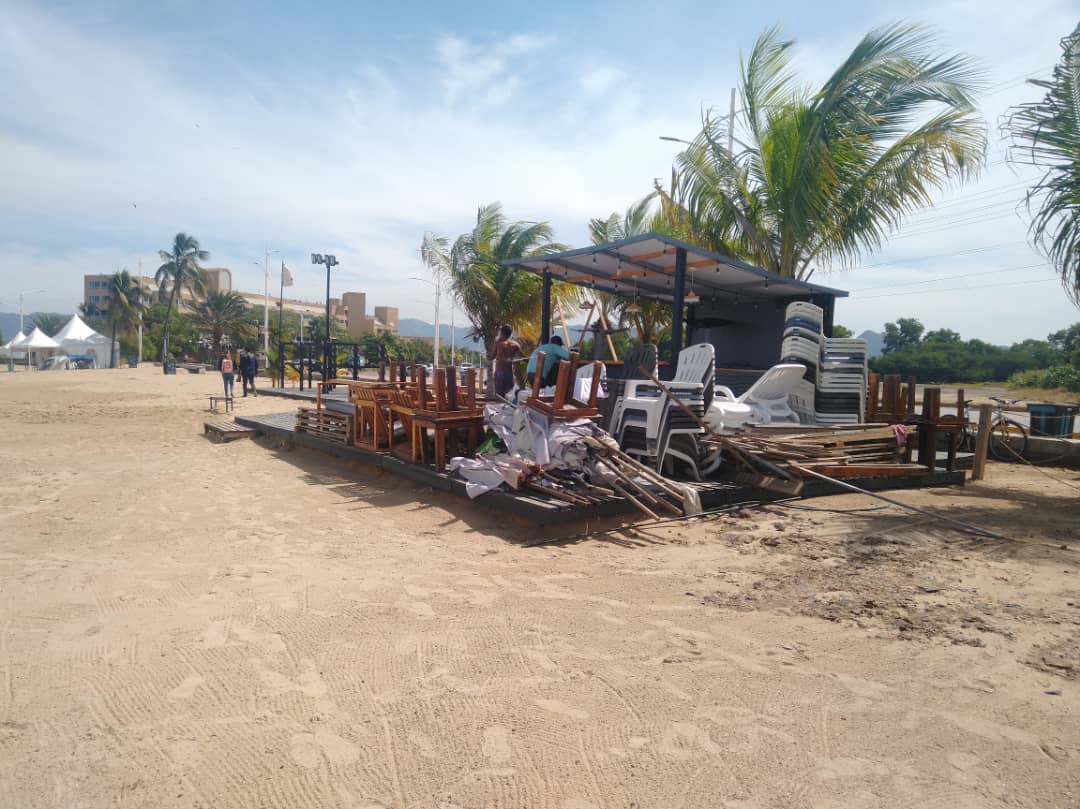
pixel 833 388
pixel 648 424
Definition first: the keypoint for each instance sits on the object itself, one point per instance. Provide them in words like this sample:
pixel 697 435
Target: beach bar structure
pixel 735 306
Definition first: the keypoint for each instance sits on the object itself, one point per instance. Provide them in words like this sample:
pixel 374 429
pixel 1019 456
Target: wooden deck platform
pixel 534 505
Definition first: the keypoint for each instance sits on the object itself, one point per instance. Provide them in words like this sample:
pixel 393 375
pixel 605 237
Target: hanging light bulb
pixel 691 296
pixel 633 308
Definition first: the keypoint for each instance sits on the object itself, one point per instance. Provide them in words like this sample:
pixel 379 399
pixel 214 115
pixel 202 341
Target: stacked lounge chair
pixel 833 388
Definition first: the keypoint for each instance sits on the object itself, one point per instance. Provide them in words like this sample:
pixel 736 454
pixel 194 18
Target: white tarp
pixel 78 338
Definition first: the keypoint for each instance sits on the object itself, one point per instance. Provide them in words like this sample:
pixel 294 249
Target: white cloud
pixel 110 147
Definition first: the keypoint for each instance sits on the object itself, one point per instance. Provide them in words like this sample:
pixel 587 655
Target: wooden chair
pixel 451 415
pixel 563 405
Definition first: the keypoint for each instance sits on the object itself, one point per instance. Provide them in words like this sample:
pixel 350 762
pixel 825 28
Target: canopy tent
pixel 37 342
pixel 12 345
pixel 78 338
pixel 734 305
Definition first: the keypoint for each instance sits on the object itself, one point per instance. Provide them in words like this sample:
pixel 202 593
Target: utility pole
pixel 140 308
pixel 266 298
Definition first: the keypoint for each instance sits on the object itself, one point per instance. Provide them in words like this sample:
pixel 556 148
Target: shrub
pixel 1062 376
pixel 1026 379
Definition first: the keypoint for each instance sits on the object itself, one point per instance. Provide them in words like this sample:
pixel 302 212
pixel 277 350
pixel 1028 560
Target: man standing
pixel 249 366
pixel 553 352
pixel 503 354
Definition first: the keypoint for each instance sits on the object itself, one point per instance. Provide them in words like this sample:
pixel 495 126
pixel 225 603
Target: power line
pixel 969 251
pixel 951 277
pixel 951 225
pixel 959 289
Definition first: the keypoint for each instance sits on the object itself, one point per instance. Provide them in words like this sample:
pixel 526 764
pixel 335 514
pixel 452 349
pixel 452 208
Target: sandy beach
pixel 246 626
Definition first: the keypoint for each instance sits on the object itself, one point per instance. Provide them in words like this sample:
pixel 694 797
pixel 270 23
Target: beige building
pixel 350 310
pixel 96 296
pixel 96 288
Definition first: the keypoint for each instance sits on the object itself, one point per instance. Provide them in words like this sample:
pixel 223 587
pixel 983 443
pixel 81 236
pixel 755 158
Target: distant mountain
pixel 412 327
pixel 9 324
pixel 875 342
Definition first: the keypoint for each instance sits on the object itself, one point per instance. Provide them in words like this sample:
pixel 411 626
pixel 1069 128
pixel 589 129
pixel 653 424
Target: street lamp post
pixel 266 299
pixel 329 261
pixel 438 297
pixel 21 296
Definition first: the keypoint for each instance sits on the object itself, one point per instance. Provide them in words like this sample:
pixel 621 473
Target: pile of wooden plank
pixel 870 450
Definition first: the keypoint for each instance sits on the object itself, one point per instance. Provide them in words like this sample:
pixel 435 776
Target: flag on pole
pixel 286 276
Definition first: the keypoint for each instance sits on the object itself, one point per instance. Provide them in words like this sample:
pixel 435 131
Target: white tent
pixel 14 343
pixel 78 338
pixel 38 342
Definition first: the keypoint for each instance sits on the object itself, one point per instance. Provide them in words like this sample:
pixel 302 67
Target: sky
pixel 352 128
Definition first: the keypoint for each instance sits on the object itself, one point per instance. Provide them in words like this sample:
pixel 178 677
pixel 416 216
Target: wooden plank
pixel 982 442
pixel 885 470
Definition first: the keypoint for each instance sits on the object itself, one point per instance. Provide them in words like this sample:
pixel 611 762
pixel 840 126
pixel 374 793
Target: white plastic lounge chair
pixel 767 398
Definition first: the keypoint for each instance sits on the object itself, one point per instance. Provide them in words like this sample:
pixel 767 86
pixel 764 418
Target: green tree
pixel 180 270
pixel 183 336
pixel 825 176
pixel 49 323
pixel 1046 134
pixel 489 293
pixel 841 331
pixel 907 331
pixel 943 336
pixel 221 315
pixel 126 307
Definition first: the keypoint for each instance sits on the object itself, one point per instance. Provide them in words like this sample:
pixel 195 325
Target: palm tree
pixel 50 324
pixel 1047 134
pixel 180 270
pixel 126 306
pixel 648 318
pixel 825 176
pixel 223 314
pixel 490 293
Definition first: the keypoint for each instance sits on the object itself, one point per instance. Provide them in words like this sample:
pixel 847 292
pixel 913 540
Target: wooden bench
pixel 226 430
pixel 216 400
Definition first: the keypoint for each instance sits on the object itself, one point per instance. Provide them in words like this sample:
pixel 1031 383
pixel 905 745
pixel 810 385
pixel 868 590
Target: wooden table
pixel 441 423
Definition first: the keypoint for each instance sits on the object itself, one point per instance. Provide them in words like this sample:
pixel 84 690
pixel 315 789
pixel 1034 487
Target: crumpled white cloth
pixel 487 472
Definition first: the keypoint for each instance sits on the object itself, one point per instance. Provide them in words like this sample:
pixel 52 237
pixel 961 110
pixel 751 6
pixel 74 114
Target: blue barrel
pixel 1052 420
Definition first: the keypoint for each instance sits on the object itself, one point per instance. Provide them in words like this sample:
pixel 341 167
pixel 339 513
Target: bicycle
pixel 1003 431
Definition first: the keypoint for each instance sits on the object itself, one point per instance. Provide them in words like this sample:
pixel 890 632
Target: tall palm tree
pixel 1047 134
pixel 126 306
pixel 223 314
pixel 825 176
pixel 50 324
pixel 648 318
pixel 180 270
pixel 489 293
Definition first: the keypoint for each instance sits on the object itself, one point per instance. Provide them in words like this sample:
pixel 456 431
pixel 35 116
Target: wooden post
pixel 470 389
pixel 677 305
pixel 873 382
pixel 911 396
pixel 982 442
pixel 890 397
pixel 594 388
pixel 451 388
pixel 929 429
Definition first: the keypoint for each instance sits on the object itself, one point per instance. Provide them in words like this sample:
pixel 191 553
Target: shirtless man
pixel 503 353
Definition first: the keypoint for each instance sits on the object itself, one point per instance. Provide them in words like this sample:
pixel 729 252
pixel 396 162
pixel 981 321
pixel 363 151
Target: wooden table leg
pixel 440 448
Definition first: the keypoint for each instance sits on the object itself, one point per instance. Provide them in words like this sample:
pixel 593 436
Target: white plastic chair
pixel 767 399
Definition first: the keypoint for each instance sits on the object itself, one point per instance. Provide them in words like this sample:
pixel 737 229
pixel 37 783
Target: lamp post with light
pixel 329 261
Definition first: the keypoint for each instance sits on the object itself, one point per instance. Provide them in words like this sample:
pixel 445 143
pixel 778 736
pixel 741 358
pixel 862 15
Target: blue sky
pixel 352 128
